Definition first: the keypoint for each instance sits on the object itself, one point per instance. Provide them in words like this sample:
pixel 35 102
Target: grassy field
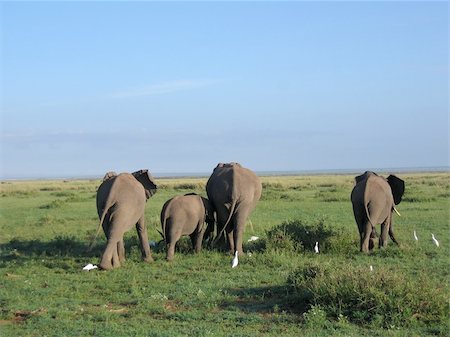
pixel 280 288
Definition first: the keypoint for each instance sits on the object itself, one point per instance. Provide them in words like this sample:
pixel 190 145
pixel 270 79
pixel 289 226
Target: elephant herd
pixel 233 192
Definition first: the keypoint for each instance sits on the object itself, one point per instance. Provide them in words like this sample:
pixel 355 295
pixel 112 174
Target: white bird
pixel 89 267
pixel 316 247
pixel 436 242
pixel 371 268
pixel 253 238
pixel 235 260
pixel 415 236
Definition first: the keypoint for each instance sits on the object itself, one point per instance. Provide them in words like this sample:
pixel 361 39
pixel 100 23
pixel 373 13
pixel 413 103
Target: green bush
pixel 297 235
pixel 382 297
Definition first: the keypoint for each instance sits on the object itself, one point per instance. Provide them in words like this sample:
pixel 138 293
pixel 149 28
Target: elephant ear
pixel 146 179
pixel 109 175
pixel 397 187
pixel 364 176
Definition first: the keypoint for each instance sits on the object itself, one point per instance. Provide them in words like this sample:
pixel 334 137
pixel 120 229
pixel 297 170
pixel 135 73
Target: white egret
pixel 371 268
pixel 436 242
pixel 235 260
pixel 415 236
pixel 253 238
pixel 89 267
pixel 316 247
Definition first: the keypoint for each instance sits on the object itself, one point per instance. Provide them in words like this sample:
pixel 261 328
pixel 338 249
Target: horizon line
pixel 262 173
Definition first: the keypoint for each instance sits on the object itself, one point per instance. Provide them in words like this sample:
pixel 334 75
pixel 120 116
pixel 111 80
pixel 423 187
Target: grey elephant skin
pixel 373 199
pixel 121 203
pixel 234 192
pixel 185 215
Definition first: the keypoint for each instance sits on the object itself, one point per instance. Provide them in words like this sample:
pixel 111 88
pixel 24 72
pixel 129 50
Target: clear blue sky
pixel 89 87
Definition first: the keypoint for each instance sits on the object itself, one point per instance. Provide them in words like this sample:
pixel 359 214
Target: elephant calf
pixel 185 215
pixel 120 205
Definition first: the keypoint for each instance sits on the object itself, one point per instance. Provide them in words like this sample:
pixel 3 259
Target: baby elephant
pixel 185 215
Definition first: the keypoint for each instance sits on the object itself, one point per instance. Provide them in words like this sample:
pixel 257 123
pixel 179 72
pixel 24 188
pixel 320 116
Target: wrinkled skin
pixel 373 199
pixel 233 191
pixel 120 205
pixel 185 215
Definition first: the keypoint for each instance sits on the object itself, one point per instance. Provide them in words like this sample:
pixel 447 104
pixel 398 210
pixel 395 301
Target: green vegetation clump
pixel 383 297
pixel 301 236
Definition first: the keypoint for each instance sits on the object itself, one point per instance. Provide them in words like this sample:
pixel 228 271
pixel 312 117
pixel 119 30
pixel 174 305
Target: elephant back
pixel 233 181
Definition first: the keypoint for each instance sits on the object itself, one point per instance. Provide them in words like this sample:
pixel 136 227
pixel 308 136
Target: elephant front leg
pixel 391 231
pixel 143 238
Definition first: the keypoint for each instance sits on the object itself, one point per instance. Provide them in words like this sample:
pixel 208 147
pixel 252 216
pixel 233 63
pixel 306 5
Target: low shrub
pixel 382 297
pixel 297 235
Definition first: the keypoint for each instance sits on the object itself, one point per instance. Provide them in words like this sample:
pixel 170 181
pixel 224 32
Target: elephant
pixel 233 191
pixel 185 215
pixel 121 203
pixel 374 198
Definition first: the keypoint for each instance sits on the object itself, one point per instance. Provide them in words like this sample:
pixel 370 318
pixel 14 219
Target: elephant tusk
pixel 395 209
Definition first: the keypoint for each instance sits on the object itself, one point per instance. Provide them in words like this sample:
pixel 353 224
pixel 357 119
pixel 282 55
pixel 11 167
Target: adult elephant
pixel 120 205
pixel 374 199
pixel 233 191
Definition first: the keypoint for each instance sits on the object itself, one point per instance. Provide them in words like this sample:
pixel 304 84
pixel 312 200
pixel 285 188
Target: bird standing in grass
pixel 316 248
pixel 436 242
pixel 235 260
pixel 415 236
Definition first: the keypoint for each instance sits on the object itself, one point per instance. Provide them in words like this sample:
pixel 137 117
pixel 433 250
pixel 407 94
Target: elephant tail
pixel 163 225
pixel 233 207
pixel 102 218
pixel 368 215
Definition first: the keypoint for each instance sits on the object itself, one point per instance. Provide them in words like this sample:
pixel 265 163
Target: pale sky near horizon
pixel 89 87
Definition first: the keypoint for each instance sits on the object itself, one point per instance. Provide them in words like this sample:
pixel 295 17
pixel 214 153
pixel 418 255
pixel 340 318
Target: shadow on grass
pixel 264 300
pixel 20 251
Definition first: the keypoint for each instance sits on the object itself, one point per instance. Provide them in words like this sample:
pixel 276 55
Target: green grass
pixel 281 289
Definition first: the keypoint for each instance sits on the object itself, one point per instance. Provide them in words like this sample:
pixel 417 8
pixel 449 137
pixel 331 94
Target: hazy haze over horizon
pixel 90 87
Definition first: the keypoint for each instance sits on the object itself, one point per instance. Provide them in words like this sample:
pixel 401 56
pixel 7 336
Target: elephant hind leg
pixel 170 251
pixel 384 232
pixel 110 257
pixel 365 237
pixel 197 238
pixel 373 237
pixel 239 221
pixel 143 239
pixel 121 251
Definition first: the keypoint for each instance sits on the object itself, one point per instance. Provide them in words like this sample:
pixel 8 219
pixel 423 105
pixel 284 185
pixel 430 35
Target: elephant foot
pixel 148 259
pixel 105 266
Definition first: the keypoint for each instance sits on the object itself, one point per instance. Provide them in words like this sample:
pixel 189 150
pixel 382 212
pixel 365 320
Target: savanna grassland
pixel 280 288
